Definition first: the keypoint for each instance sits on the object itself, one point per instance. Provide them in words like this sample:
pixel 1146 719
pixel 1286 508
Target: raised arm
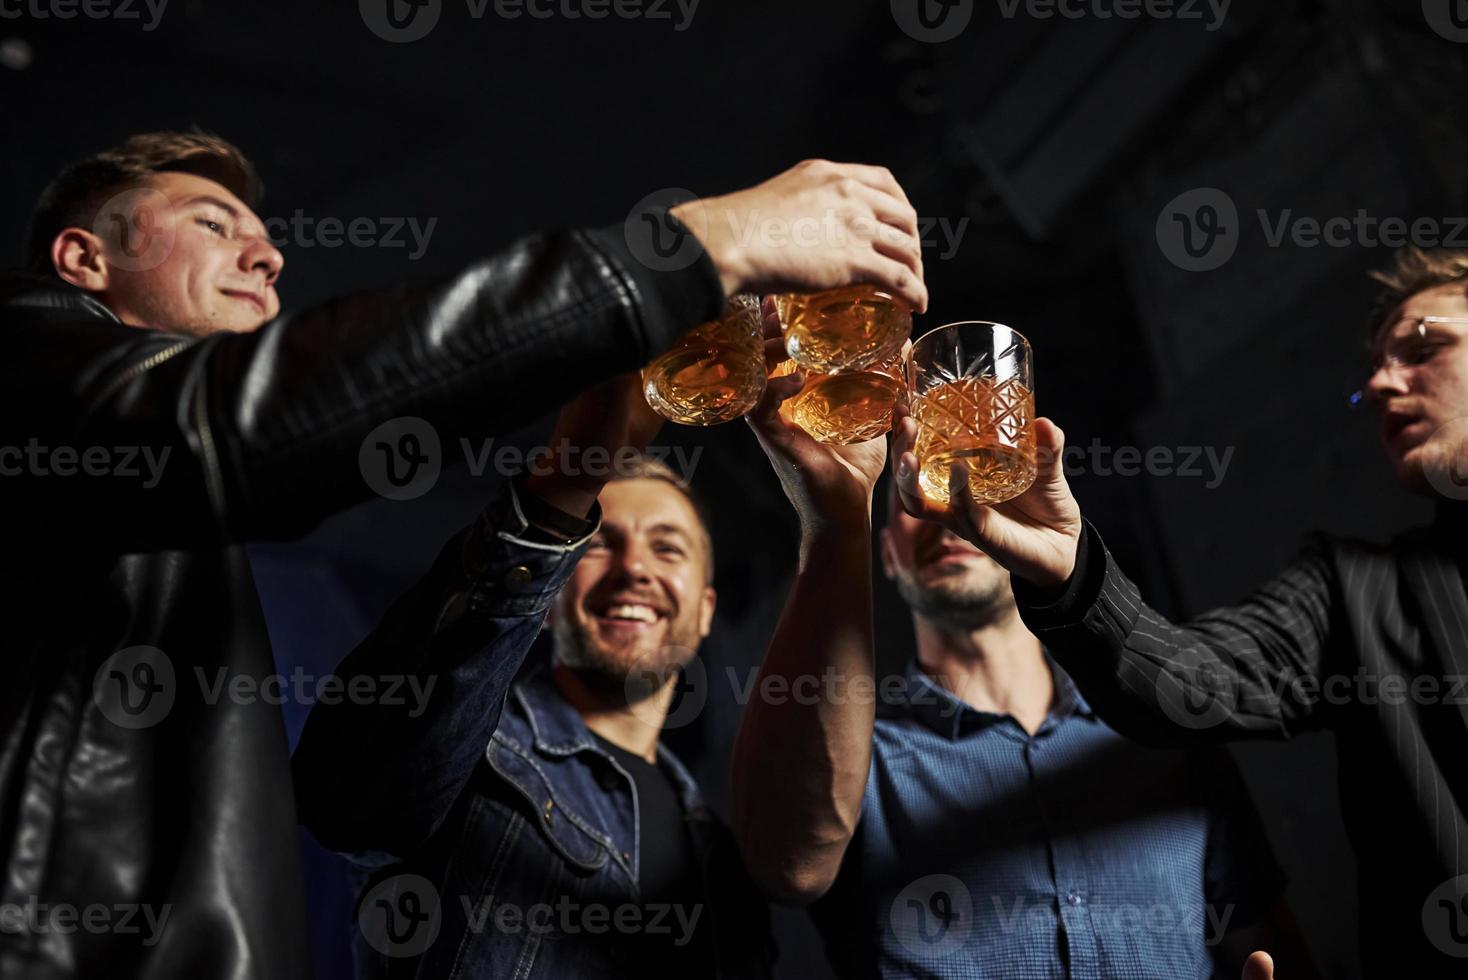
pixel 375 779
pixel 801 762
pixel 262 431
pixel 1252 670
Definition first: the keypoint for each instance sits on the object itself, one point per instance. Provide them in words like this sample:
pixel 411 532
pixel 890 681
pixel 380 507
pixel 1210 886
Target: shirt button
pixel 517 578
pixel 1071 898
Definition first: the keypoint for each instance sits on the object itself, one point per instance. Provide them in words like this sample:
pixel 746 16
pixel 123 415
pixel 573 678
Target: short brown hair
pixel 646 467
pixel 1413 270
pixel 73 196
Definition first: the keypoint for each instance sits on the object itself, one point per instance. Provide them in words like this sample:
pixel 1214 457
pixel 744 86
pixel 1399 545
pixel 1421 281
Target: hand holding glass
pixel 972 392
pixel 846 407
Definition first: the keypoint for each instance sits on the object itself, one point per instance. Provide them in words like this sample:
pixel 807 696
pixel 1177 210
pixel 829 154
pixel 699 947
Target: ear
pixel 706 612
pixel 76 255
pixel 889 553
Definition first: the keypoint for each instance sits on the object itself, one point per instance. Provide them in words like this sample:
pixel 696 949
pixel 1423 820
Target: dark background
pixel 1058 141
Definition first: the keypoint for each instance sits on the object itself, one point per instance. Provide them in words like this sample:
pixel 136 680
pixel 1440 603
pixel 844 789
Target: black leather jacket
pixel 147 823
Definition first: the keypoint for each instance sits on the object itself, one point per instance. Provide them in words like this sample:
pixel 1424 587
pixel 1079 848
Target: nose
pixel 262 256
pixel 1387 380
pixel 631 563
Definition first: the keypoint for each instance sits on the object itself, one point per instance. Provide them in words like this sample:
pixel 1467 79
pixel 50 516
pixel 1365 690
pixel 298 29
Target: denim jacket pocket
pixel 574 840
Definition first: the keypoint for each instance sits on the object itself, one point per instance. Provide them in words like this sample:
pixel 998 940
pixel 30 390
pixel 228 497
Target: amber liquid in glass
pixel 715 373
pixel 843 328
pixel 987 425
pixel 842 409
pixel 704 384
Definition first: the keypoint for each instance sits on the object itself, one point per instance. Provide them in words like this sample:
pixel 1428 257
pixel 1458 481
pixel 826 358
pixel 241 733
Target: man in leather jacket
pixel 148 819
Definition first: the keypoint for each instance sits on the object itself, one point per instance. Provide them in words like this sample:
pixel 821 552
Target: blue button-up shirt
pixel 985 851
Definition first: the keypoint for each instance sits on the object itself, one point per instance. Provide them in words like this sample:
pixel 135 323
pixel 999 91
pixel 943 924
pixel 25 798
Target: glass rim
pixel 965 323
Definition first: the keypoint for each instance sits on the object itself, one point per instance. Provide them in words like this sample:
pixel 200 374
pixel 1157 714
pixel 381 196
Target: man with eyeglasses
pixel 1368 640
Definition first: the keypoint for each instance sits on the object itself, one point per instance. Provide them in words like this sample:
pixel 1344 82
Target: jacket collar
pixel 48 298
pixel 558 731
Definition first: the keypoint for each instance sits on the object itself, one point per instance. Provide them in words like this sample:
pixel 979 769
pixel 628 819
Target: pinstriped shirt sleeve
pixel 1250 669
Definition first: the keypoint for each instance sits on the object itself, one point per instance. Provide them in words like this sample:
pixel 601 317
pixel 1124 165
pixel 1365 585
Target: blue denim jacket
pixel 491 844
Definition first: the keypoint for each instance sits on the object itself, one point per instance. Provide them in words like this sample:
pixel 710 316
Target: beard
pixel 630 673
pixel 1439 467
pixel 955 602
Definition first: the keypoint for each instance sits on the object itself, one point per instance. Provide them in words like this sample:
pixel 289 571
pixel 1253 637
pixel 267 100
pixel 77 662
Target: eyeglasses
pixel 1422 339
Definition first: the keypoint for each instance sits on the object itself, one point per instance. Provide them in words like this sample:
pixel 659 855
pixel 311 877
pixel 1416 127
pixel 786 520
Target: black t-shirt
pixel 677 933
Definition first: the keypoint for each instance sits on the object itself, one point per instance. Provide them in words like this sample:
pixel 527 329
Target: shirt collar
pixel 937 708
pixel 558 730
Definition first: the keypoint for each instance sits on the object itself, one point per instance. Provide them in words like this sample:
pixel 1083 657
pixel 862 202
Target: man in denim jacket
pixel 566 842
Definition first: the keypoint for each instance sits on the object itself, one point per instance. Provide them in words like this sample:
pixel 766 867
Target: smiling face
pixel 176 252
pixel 941 576
pixel 638 603
pixel 1419 387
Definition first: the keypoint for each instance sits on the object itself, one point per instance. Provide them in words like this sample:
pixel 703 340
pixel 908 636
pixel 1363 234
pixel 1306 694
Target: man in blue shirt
pixel 973 818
